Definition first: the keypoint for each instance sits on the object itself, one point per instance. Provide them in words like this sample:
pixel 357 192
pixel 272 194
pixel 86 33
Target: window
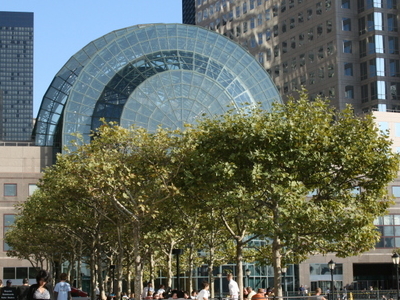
pixel 259 19
pixel 393 45
pixel 294 63
pixel 311 56
pixel 302 60
pixel 244 7
pixel 349 92
pixel 292 23
pixel 392 22
pixel 300 17
pixel 346 24
pixel 261 58
pixel 331 92
pixel 253 42
pixel 276 30
pixel 8 222
pixel 10 189
pixel 275 9
pixel 329 48
pixel 364 93
pixel 394 68
pixel 309 13
pixel 329 26
pixel 283 6
pixel 318 8
pixel 320 29
pixel 374 21
pixel 321 52
pixel 331 71
pixel 267 14
pixel 348 69
pixel 245 27
pixel 345 4
pixel 284 47
pixel 395 90
pixel 374 3
pixel 375 44
pixel 268 34
pixel 31 189
pixel 392 4
pixel 237 11
pixel 311 78
pixel 328 4
pixel 363 70
pixel 252 4
pixel 269 54
pixel 285 67
pixel 284 26
pixel 347 46
pixel 252 23
pixel 321 73
pixel 291 3
pixel 276 70
pixel 311 34
pixel 276 51
pixel 362 25
pixel 301 39
pixel 293 42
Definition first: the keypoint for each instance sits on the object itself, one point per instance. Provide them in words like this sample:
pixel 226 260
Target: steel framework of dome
pixel 150 75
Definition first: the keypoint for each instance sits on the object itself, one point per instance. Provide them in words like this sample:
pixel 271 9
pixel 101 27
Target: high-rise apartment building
pixel 346 50
pixel 16 76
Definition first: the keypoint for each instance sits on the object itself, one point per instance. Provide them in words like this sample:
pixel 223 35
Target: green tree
pixel 314 178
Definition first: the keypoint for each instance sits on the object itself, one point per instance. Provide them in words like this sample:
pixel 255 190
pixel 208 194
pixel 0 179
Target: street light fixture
pixel 331 266
pixel 396 260
pixel 284 270
pixel 248 272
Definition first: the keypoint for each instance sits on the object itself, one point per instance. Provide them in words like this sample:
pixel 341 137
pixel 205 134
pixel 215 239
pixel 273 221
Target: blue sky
pixel 64 27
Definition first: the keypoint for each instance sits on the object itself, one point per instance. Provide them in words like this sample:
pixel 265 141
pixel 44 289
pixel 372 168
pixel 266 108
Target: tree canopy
pixel 304 177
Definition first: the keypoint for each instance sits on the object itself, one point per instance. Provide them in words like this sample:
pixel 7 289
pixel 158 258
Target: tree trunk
pixel 277 264
pixel 191 264
pixel 138 261
pixel 169 268
pixel 210 271
pixel 239 267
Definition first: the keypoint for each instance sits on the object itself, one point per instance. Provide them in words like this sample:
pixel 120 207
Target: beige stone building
pixel 21 164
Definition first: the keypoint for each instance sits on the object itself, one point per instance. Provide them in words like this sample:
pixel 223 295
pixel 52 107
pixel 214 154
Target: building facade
pixel 345 50
pixel 16 76
pixel 21 166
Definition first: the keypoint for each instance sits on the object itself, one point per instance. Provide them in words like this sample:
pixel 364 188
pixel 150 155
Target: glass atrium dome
pixel 150 75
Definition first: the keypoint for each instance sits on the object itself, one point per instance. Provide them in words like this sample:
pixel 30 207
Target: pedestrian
pixel 62 290
pixel 250 292
pixel 8 292
pixel 203 294
pixel 147 289
pixel 318 295
pixel 22 291
pixel 260 295
pixel 41 289
pixel 233 287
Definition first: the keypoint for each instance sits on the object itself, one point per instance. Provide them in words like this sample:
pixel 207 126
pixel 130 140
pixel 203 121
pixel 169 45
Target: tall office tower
pixel 16 76
pixel 346 50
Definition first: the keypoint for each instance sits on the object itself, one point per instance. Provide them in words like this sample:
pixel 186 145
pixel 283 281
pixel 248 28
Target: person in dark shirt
pixel 22 291
pixel 8 292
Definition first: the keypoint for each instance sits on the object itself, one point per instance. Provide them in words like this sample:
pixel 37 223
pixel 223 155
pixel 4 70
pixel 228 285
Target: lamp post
pixel 331 265
pixel 112 268
pixel 177 252
pixel 284 270
pixel 396 260
pixel 219 275
pixel 248 272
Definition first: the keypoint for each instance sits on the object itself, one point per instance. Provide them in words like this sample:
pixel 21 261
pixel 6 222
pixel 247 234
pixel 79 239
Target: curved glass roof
pixel 150 75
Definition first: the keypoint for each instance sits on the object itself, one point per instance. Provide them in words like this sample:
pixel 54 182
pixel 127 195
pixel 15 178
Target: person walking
pixel 22 290
pixel 233 287
pixel 8 292
pixel 260 295
pixel 203 294
pixel 42 289
pixel 318 295
pixel 62 290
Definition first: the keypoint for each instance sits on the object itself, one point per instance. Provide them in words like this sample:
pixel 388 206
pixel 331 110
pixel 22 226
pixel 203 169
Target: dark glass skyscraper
pixel 16 76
